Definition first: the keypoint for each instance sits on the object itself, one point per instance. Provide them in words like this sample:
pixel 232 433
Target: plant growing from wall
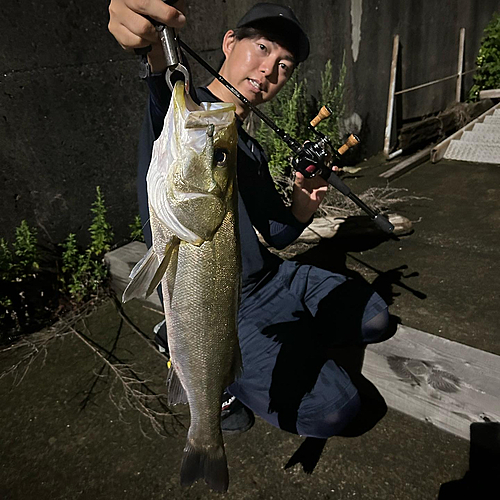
pixel 6 265
pixel 332 94
pixel 487 75
pixel 30 294
pixel 136 233
pixel 84 271
pixel 289 111
pixel 18 269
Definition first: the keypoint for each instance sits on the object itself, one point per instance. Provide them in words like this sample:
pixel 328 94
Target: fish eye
pixel 220 156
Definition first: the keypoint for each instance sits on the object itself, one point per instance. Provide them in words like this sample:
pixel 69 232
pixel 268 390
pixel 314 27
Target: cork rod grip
pixel 324 112
pixel 352 140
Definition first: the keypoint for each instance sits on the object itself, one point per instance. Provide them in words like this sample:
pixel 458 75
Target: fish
pixel 195 255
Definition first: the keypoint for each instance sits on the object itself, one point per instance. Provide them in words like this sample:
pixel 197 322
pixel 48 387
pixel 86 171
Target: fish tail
pixel 209 464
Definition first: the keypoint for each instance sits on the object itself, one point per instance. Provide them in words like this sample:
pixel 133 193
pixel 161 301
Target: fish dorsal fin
pixel 162 268
pixel 176 393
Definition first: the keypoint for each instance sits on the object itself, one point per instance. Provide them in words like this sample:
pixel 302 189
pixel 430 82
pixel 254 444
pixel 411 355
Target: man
pixel 293 318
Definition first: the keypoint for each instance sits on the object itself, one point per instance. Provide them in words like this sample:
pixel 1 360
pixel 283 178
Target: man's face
pixel 257 67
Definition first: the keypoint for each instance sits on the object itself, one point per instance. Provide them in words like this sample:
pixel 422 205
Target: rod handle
pixel 323 113
pixel 352 140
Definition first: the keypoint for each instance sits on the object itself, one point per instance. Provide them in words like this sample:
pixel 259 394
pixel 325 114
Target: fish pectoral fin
pixel 162 268
pixel 147 273
pixel 176 393
pixel 140 276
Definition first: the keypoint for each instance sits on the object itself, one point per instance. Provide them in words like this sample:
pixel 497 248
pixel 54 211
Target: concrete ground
pixel 64 438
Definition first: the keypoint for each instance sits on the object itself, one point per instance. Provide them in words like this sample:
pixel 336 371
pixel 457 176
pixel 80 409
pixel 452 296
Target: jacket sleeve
pixel 280 228
pixel 266 209
pixel 159 100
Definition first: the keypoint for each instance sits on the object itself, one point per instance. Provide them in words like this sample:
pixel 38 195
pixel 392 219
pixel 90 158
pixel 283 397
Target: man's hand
pixel 128 24
pixel 307 196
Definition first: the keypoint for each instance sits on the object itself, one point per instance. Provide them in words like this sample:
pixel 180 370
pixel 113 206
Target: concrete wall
pixel 71 103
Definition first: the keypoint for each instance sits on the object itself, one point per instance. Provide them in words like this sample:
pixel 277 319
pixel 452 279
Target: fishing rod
pixel 311 158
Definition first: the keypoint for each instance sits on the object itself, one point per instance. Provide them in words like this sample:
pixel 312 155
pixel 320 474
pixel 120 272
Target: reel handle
pixel 323 113
pixel 352 140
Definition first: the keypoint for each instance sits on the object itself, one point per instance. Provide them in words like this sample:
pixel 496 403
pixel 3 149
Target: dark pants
pixel 287 330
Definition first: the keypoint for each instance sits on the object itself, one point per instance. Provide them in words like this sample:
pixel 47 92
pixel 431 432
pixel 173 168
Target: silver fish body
pixel 193 215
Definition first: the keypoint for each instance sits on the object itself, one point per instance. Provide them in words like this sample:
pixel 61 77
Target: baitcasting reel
pixel 318 158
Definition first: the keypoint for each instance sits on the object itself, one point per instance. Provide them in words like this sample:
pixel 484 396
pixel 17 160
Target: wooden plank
pixel 461 44
pixel 390 100
pixel 447 384
pixel 406 165
pixel 328 226
pixel 120 262
pixel 489 94
pixel 440 149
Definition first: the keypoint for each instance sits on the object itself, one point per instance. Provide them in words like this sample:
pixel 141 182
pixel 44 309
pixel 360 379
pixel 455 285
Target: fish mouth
pixel 213 193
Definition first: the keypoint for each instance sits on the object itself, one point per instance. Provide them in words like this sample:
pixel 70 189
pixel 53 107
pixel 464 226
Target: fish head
pixel 202 181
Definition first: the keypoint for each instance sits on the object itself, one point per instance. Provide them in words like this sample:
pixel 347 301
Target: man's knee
pixel 378 328
pixel 328 424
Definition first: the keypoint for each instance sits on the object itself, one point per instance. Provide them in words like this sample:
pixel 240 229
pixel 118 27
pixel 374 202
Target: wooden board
pixel 489 94
pixel 406 165
pixel 447 384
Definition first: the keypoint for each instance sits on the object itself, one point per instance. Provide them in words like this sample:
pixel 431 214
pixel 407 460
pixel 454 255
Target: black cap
pixel 286 22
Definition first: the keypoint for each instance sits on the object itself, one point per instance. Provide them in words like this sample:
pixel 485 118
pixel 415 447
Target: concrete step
pixel 492 120
pixel 478 138
pixel 485 128
pixel 496 112
pixel 475 152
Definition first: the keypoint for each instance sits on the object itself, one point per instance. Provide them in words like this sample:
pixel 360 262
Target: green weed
pixel 332 94
pixel 136 233
pixel 84 270
pixel 18 268
pixel 487 75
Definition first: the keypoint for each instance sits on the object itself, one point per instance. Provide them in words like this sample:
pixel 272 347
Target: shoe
pixel 160 332
pixel 235 416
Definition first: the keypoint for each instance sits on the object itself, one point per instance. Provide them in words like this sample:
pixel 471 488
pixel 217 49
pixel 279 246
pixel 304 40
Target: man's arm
pixel 307 196
pixel 128 23
pixel 268 214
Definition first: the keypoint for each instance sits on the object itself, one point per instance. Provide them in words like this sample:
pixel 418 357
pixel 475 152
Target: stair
pixel 479 145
